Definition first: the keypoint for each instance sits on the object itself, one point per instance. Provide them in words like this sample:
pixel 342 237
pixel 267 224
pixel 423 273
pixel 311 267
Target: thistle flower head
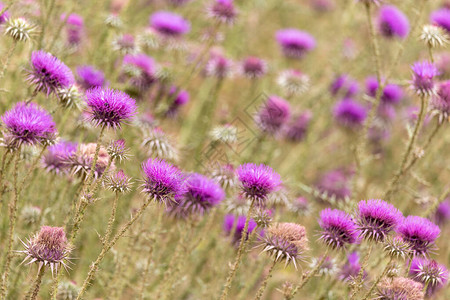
pixel 67 290
pixel 300 206
pixel 125 44
pixel 80 161
pixel 169 25
pixel 441 18
pixel 226 134
pixel 223 11
pixel 54 160
pixel 5 16
pixel 293 82
pixel 219 66
pixel 158 144
pixel 224 175
pixel 430 273
pixel 49 246
pixel 113 21
pixel 263 217
pixel 28 123
pixel 423 78
pixel 295 43
pixel 327 268
pixel 19 29
pixel 396 247
pixel 30 215
pixel 257 181
pixel 434 36
pixel 442 214
pixel 376 219
pixel 273 115
pixel 108 107
pixel 162 181
pixel 296 129
pixel 338 228
pixel 335 184
pixel 148 38
pixel 235 224
pixel 344 86
pixel 350 114
pixel 117 150
pixel 237 205
pixel 392 22
pixel 419 233
pixel 69 97
pixel 253 67
pixel 48 73
pixel 141 68
pixel 391 94
pixel 118 182
pixel 74 28
pixel 286 241
pixel 90 77
pixel 399 288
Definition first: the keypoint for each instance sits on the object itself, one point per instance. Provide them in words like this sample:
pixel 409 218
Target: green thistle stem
pixel 8 59
pixel 381 276
pixel 266 279
pixel 359 279
pixel 112 218
pixel 34 291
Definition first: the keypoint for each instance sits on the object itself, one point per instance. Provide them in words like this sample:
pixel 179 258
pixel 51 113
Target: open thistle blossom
pixel 392 22
pixel 399 288
pixel 19 29
pixel 141 69
pixel 349 113
pixel 180 98
pixel 48 73
pixel 338 228
pixel 434 36
pixel 344 86
pixel 293 82
pixel 117 150
pixel 285 241
pixel 223 11
pixel 28 123
pixel 423 78
pixel 90 77
pixel 253 67
pixel 74 28
pixel 419 233
pixel 108 107
pixel 169 25
pixel 80 161
pixel 235 224
pixel 48 247
pixel 391 94
pixel 257 181
pixel 376 219
pixel 440 103
pixel 158 144
pixel 296 129
pixel 200 196
pixel 441 18
pixel 54 160
pixel 429 273
pixel 295 43
pixel 118 182
pixel 162 181
pixel 273 115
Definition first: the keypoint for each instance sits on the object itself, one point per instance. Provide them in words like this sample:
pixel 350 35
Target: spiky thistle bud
pixel 263 217
pixel 69 97
pixel 67 290
pixel 397 248
pixel 19 29
pixel 430 273
pixel 226 134
pixel 117 150
pixel 118 182
pixel 293 82
pixel 433 36
pixel 225 176
pixel 159 145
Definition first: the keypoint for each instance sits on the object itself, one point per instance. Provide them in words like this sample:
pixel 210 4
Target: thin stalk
pixel 8 59
pixel 112 218
pixel 34 290
pixel 432 209
pixel 90 177
pixel 241 249
pixel 359 279
pixel 266 279
pixel 374 285
pixel 45 23
pixel 32 168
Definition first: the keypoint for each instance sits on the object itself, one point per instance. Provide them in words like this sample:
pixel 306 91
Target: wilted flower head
pixel 118 182
pixel 80 161
pixel 30 215
pixel 54 160
pixel 19 29
pixel 223 11
pixel 158 144
pixel 117 150
pixel 90 77
pixel 376 219
pixel 441 18
pixel 434 36
pixel 141 68
pixel 48 73
pixel 49 246
pixel 162 181
pixel 335 184
pixel 295 43
pixel 273 115
pixel 423 75
pixel 286 241
pixel 28 123
pixel 338 228
pixel 430 273
pixel 399 288
pixel 253 67
pixel 345 86
pixel 236 224
pixel 108 107
pixel 392 22
pixel 419 233
pixel 257 181
pixel 350 114
pixel 391 94
pixel 296 129
pixel 169 25
pixel 351 268
pixel 293 82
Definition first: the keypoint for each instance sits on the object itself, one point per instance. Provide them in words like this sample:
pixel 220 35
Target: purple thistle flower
pixel 391 94
pixel 162 181
pixel 108 107
pixel 5 15
pixel 392 22
pixel 351 268
pixel 423 75
pixel 49 246
pixel 419 233
pixel 74 28
pixel 89 77
pixel 219 66
pixel 442 214
pixel 237 224
pixel 441 101
pixel 338 228
pixel 430 273
pixel 376 219
pixel 350 113
pixel 257 181
pixel 345 86
pixel 400 288
pixel 180 98
pixel 201 195
pixel 253 67
pixel 80 161
pixel 295 43
pixel 273 115
pixel 117 150
pixel 56 157
pixel 441 18
pixel 125 44
pixel 169 25
pixel 335 184
pixel 28 124
pixel 48 73
pixel 142 69
pixel 296 128
pixel 118 182
pixel 223 11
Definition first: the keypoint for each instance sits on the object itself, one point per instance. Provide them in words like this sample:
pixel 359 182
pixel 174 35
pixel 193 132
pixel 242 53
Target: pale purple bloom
pixel 48 73
pixel 74 28
pixel 338 228
pixel 419 233
pixel 273 115
pixel 350 113
pixel 297 127
pixel 118 182
pixel 219 66
pixel 141 68
pixel 237 224
pixel 295 43
pixel 180 98
pixel 442 214
pixel 392 22
pixel 336 184
pixel 351 268
pixel 423 77
pixel 55 158
pixel 223 11
pixel 322 5
pixel 169 24
pixel 345 86
pixel 430 272
pixel 441 101
pixel 253 67
pixel 441 18
pixel 391 94
pixel 108 107
pixel 257 181
pixel 90 77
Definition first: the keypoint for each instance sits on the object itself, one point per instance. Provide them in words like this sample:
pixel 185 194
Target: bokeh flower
pixel 392 22
pixel 235 224
pixel 54 160
pixel 169 25
pixel 295 43
pixel 90 77
pixel 273 115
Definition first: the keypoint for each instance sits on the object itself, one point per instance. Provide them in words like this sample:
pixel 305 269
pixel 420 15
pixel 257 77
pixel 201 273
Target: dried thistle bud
pixel 117 150
pixel 400 288
pixel 118 182
pixel 263 217
pixel 226 134
pixel 159 145
pixel 19 29
pixel 69 97
pixel 396 247
pixel 113 21
pixel 287 289
pixel 434 36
